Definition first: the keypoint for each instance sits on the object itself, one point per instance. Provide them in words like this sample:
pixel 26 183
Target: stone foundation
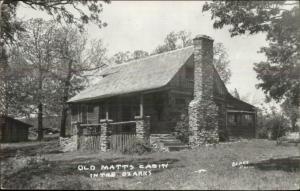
pixel 203 123
pixel 68 144
pixel 104 142
pixel 143 128
pixel 223 132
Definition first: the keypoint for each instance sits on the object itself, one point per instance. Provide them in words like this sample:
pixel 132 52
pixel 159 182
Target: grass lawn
pixel 41 166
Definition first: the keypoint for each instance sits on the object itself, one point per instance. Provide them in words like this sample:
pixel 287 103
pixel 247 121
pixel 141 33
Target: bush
pixel 181 130
pixel 138 147
pixel 223 136
pixel 271 125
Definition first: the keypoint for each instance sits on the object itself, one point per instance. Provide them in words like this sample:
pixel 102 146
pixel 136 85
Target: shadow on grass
pixel 289 164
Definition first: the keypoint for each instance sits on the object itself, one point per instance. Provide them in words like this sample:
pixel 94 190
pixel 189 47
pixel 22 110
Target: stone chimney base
pixel 203 122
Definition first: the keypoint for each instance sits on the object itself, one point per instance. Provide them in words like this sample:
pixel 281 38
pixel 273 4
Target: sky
pixel 143 25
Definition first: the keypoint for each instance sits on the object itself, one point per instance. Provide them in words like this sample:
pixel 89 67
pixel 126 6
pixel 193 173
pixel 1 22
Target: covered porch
pixel 124 108
pixel 112 123
pixel 240 119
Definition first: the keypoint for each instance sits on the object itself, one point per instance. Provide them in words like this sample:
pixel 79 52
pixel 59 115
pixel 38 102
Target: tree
pixel 221 62
pixel 272 124
pixel 236 94
pixel 281 21
pixel 67 11
pixel 20 85
pixel 180 39
pixel 9 25
pixel 173 41
pixel 292 112
pixel 34 48
pixel 121 57
pixel 69 45
pixel 74 61
pixel 184 38
pixel 127 56
pixel 280 73
pixel 49 64
pixel 246 16
pixel 137 54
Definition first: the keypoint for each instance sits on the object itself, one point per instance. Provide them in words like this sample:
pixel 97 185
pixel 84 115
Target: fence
pixel 90 136
pixel 123 135
pixel 119 135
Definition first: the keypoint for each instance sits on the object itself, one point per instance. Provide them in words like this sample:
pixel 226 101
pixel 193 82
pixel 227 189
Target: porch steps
pixel 166 142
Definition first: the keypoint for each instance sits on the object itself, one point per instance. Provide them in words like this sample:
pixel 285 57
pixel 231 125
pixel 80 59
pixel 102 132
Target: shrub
pixel 271 125
pixel 181 130
pixel 138 147
pixel 223 136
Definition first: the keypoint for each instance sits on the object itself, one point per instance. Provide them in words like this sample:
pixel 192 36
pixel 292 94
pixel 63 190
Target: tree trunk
pixel 3 69
pixel 298 119
pixel 40 122
pixel 64 113
pixel 3 81
pixel 63 121
pixel 40 105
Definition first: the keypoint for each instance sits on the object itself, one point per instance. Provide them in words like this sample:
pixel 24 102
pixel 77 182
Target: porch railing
pixel 103 136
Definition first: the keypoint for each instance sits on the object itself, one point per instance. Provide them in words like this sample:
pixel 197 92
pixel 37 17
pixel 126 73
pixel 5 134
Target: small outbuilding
pixel 13 130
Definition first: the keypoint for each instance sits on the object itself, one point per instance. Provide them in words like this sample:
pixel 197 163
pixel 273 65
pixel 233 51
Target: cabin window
pixel 248 118
pixel 232 119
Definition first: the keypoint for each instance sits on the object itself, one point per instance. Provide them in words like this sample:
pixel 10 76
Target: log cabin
pixel 148 96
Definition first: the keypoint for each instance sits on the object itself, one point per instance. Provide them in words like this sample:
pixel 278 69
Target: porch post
pixel 78 112
pixel 97 113
pixel 104 123
pixel 141 105
pixel 106 111
pixel 77 132
pixel 143 128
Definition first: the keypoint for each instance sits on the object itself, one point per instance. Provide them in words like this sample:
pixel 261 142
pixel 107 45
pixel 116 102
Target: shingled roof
pixel 144 74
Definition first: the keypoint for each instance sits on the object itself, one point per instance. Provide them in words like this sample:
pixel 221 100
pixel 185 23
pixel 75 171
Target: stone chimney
pixel 203 112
